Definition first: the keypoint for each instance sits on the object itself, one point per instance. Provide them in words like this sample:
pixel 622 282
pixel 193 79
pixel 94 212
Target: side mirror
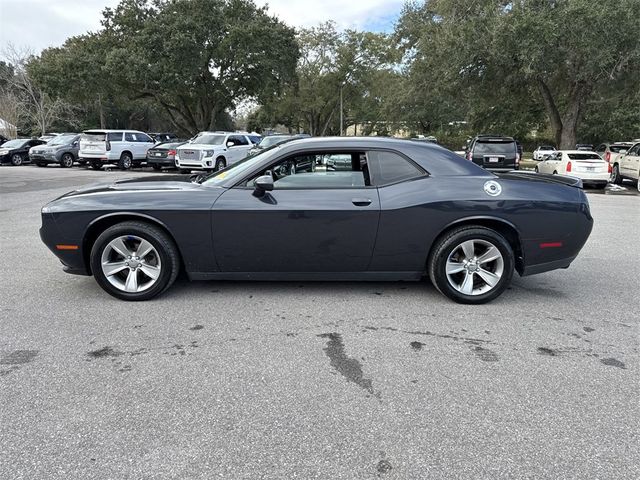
pixel 75 144
pixel 230 144
pixel 263 184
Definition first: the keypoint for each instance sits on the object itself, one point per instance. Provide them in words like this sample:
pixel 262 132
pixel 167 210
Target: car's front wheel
pixel 616 178
pixel 125 161
pixel 66 161
pixel 220 163
pixel 134 261
pixel 16 159
pixel 471 264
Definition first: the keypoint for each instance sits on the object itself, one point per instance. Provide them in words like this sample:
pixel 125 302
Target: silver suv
pixel 213 151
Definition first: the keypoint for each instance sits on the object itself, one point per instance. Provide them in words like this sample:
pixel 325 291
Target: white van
pixel 124 147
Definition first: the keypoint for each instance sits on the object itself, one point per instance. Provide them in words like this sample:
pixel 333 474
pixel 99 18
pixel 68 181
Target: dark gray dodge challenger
pixel 324 209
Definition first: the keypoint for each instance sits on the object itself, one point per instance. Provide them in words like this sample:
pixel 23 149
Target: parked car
pixel 163 155
pixel 62 149
pixel 254 137
pixel 586 147
pixel 628 166
pixel 212 151
pixel 164 137
pixel 587 166
pixel 422 138
pixel 127 148
pixel 271 140
pixel 543 151
pixel 611 151
pixel 16 151
pixel 494 152
pixel 404 210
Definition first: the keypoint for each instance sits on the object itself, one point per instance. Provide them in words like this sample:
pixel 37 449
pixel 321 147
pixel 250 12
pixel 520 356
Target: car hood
pixel 156 183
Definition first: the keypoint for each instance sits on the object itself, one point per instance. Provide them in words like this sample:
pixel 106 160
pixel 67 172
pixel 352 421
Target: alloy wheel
pixel 131 264
pixel 474 267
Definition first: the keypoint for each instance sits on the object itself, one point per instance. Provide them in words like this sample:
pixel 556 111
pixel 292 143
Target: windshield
pixel 13 144
pixel 207 139
pixel 546 147
pixel 618 148
pixel 495 147
pixel 239 168
pixel 273 140
pixel 62 140
pixel 584 156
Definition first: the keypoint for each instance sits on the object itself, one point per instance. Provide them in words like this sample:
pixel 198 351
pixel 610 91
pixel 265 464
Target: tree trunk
pixel 552 110
pixel 103 121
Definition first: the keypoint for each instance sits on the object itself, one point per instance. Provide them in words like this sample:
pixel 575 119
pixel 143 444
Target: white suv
pixel 627 166
pixel 213 151
pixel 126 147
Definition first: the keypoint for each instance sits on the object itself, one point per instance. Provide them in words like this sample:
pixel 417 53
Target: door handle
pixel 361 202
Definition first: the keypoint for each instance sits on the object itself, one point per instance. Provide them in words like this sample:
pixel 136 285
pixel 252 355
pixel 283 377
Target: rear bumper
pixel 165 162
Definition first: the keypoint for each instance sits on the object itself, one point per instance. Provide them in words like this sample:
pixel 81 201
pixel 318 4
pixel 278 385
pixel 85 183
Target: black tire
pixel 600 186
pixel 96 165
pixel 157 167
pixel 67 160
pixel 40 164
pixel 164 245
pixel 125 161
pixel 82 163
pixel 616 178
pixel 536 169
pixel 220 163
pixel 16 159
pixel 448 245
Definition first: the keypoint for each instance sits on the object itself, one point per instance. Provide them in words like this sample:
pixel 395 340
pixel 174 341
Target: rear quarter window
pixel 389 167
pixel 115 136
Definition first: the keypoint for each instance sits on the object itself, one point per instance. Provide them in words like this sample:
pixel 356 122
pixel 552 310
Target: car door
pixel 630 163
pixel 144 143
pixel 237 147
pixel 314 220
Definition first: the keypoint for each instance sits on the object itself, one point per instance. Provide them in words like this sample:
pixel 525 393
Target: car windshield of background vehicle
pixel 546 147
pixel 273 140
pixel 584 156
pixel 495 147
pixel 13 144
pixel 93 137
pixel 617 148
pixel 238 169
pixel 209 140
pixel 62 140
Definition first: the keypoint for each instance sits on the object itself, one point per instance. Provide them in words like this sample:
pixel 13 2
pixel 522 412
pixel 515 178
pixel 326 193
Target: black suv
pixel 494 152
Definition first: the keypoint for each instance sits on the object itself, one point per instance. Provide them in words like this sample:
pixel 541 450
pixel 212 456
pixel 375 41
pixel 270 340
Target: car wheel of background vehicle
pixel 471 264
pixel 125 161
pixel 156 167
pixel 82 163
pixel 220 163
pixel 615 175
pixel 66 161
pixel 134 261
pixel 40 164
pixel 96 165
pixel 536 169
pixel 16 159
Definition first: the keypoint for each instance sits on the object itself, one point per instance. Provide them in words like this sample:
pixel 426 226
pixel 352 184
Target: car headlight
pixel 209 153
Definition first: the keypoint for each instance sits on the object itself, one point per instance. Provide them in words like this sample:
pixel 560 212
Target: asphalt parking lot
pixel 316 380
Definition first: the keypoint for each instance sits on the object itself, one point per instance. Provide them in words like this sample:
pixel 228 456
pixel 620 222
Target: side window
pixel 144 138
pixel 238 140
pixel 319 170
pixel 389 167
pixel 129 137
pixel 635 150
pixel 601 148
pixel 114 136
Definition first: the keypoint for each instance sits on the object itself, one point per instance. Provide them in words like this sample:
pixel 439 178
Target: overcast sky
pixel 39 24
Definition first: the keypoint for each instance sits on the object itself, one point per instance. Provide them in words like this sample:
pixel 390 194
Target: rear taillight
pixel 607 156
pixel 171 152
pixel 108 145
pixel 609 169
pixel 568 166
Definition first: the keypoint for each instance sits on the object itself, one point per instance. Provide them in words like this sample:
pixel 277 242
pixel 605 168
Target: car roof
pixel 111 130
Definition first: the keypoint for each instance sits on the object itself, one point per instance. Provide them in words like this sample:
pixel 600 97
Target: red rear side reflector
pixel 67 247
pixel 551 245
pixel 568 166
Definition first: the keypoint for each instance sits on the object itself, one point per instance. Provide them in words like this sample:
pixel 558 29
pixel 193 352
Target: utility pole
pixel 341 110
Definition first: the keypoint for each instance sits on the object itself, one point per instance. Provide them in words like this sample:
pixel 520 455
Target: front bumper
pixel 51 235
pixel 203 164
pixel 591 177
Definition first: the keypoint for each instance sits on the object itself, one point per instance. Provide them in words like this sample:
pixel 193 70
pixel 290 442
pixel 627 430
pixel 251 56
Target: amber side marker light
pixel 551 245
pixel 67 247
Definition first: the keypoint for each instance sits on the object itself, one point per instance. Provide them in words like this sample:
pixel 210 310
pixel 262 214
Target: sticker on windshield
pixel 492 188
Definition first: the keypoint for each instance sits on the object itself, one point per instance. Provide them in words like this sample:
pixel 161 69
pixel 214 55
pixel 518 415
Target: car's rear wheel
pixel 125 161
pixel 16 159
pixel 615 175
pixel 471 264
pixel 156 167
pixel 66 161
pixel 134 261
pixel 220 163
pixel 96 165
